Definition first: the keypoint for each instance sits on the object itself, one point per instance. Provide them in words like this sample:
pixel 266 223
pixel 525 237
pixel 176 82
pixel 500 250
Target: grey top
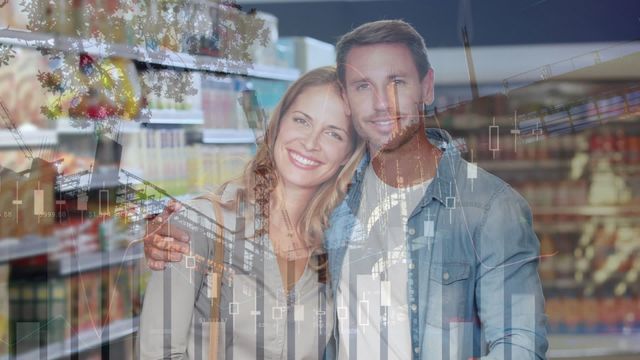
pixel 258 319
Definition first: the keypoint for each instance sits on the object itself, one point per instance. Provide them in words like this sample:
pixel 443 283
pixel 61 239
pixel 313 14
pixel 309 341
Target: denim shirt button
pixel 414 307
pixel 411 266
pixel 445 276
pixel 412 231
pixel 417 350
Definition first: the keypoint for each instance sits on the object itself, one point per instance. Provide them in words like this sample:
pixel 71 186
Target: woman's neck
pixel 293 200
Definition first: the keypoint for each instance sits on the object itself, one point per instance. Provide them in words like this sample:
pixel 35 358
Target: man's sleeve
pixel 508 290
pixel 169 301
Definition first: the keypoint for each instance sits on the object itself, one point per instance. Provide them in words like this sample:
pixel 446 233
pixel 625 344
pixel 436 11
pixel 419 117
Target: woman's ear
pixel 345 101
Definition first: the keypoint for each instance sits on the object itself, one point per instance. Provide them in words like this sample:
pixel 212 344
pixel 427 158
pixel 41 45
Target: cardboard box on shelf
pixel 305 53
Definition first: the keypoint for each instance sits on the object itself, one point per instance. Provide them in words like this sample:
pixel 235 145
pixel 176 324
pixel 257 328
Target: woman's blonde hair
pixel 260 177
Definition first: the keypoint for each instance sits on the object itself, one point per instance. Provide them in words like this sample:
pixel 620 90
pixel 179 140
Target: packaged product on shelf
pixel 219 102
pixel 21 92
pixel 88 295
pixel 266 54
pixel 233 159
pixel 546 266
pixel 35 213
pixel 192 167
pixel 610 319
pixel 268 93
pixel 9 228
pixel 4 309
pixel 76 236
pixel 572 318
pixel 200 31
pixel 304 53
pixel 14 16
pixel 589 314
pixel 58 315
pixel 553 309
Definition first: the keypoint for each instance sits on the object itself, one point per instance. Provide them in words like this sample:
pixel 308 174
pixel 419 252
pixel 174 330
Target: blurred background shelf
pixel 620 346
pixel 156 57
pixel 35 138
pixel 611 210
pixel 86 340
pixel 92 261
pixel 524 165
pixel 228 136
pixel 13 249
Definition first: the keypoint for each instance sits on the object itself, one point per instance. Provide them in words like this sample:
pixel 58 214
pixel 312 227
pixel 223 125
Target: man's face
pixel 385 92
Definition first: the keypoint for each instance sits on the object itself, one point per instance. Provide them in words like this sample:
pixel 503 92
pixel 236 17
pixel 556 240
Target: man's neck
pixel 412 163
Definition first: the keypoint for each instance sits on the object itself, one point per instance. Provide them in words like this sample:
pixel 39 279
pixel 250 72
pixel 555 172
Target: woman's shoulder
pixel 224 199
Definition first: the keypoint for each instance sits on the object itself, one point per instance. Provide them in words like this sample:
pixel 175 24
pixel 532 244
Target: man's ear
pixel 345 100
pixel 427 87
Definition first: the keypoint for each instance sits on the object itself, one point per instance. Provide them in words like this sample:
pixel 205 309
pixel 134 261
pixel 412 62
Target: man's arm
pixel 163 242
pixel 508 290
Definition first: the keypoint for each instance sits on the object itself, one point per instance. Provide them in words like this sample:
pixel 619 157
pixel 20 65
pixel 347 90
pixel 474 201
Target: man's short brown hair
pixel 383 32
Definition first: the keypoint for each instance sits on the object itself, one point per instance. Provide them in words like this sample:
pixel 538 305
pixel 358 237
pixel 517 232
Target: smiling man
pixel 425 262
pixel 423 265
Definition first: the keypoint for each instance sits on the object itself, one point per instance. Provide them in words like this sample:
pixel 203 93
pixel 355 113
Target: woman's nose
pixel 311 141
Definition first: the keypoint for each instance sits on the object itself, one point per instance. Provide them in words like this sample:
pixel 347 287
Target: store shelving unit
pixel 155 57
pixel 85 340
pixel 15 249
pixel 31 138
pixel 555 178
pixel 586 346
pixel 92 261
pixel 228 136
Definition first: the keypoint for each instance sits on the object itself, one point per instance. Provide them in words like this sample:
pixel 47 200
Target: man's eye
pixel 399 82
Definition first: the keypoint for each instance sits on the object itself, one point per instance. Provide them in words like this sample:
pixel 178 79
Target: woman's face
pixel 314 139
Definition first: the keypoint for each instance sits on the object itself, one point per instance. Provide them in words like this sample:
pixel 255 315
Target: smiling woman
pixel 299 174
pixel 314 138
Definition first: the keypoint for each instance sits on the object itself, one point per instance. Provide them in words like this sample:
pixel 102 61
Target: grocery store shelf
pixel 585 346
pixel 156 57
pixel 179 117
pixel 523 165
pixel 610 210
pixel 13 249
pixel 228 136
pixel 64 126
pixel 566 283
pixel 92 261
pixel 84 341
pixel 274 73
pixel 546 227
pixel 30 138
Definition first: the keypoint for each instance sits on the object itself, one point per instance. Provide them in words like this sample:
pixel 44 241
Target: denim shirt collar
pixel 443 186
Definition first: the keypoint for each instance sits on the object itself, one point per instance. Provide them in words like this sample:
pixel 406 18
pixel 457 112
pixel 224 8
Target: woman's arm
pixel 169 302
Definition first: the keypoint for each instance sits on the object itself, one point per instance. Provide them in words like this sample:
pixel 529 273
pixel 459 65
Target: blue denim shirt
pixel 473 284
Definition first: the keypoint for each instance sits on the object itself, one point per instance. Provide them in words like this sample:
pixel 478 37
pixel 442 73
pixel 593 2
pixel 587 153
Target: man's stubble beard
pixel 398 138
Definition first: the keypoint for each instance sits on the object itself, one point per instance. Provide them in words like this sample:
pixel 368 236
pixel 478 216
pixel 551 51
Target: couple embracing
pixel 376 243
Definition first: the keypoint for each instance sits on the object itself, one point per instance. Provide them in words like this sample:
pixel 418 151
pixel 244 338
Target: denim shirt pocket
pixel 448 290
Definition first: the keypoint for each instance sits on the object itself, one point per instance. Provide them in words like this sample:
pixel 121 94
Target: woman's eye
pixel 334 134
pixel 362 86
pixel 301 121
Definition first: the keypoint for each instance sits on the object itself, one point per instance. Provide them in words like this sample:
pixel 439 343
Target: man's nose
pixel 386 99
